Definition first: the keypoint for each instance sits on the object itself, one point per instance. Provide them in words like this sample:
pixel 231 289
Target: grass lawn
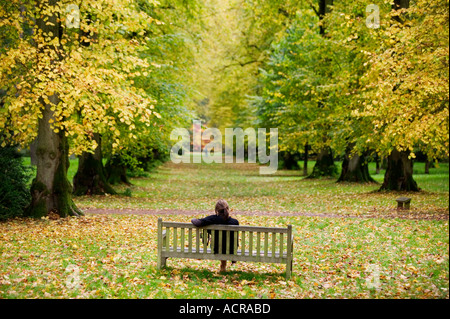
pixel 198 186
pixel 114 256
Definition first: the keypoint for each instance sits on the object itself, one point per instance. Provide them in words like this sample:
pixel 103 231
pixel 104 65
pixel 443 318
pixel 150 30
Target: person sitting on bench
pixel 222 217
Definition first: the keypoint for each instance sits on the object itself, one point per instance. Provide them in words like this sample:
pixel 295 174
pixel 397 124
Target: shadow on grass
pixel 214 276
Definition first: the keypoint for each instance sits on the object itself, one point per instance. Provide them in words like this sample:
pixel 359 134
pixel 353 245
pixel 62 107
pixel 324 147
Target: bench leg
pixel 288 269
pixel 161 262
pixel 290 260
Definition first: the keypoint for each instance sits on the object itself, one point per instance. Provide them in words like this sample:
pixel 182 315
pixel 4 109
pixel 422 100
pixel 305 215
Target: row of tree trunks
pixel 52 192
pixel 398 175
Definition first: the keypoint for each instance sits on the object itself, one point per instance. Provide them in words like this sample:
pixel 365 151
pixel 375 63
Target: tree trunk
pixel 384 163
pixel 305 161
pixel 400 4
pixel 324 8
pixel 51 190
pixel 289 161
pixel 324 166
pixel 355 169
pixel 377 163
pixel 116 172
pixel 33 153
pixel 427 166
pixel 399 173
pixel 90 178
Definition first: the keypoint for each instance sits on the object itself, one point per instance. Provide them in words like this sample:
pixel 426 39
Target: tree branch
pixel 241 64
pixel 314 8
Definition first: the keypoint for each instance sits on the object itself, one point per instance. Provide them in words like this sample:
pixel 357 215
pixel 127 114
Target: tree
pixel 90 177
pixel 235 36
pixel 300 90
pixel 406 96
pixel 166 49
pixel 66 91
pixel 325 161
pixel 169 49
pixel 348 30
pixel 50 190
pixel 396 92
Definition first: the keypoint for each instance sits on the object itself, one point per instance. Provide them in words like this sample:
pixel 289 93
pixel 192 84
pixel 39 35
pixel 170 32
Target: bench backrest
pixel 253 243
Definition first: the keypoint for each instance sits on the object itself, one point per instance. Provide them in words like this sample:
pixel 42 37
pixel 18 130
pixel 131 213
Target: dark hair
pixel 222 209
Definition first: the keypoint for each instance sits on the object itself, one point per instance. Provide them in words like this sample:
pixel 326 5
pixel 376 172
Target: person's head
pixel 222 209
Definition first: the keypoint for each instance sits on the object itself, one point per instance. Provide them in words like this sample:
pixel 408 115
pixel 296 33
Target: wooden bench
pixel 251 244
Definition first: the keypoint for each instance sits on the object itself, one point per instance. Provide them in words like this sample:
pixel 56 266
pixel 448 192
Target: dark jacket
pixel 218 220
